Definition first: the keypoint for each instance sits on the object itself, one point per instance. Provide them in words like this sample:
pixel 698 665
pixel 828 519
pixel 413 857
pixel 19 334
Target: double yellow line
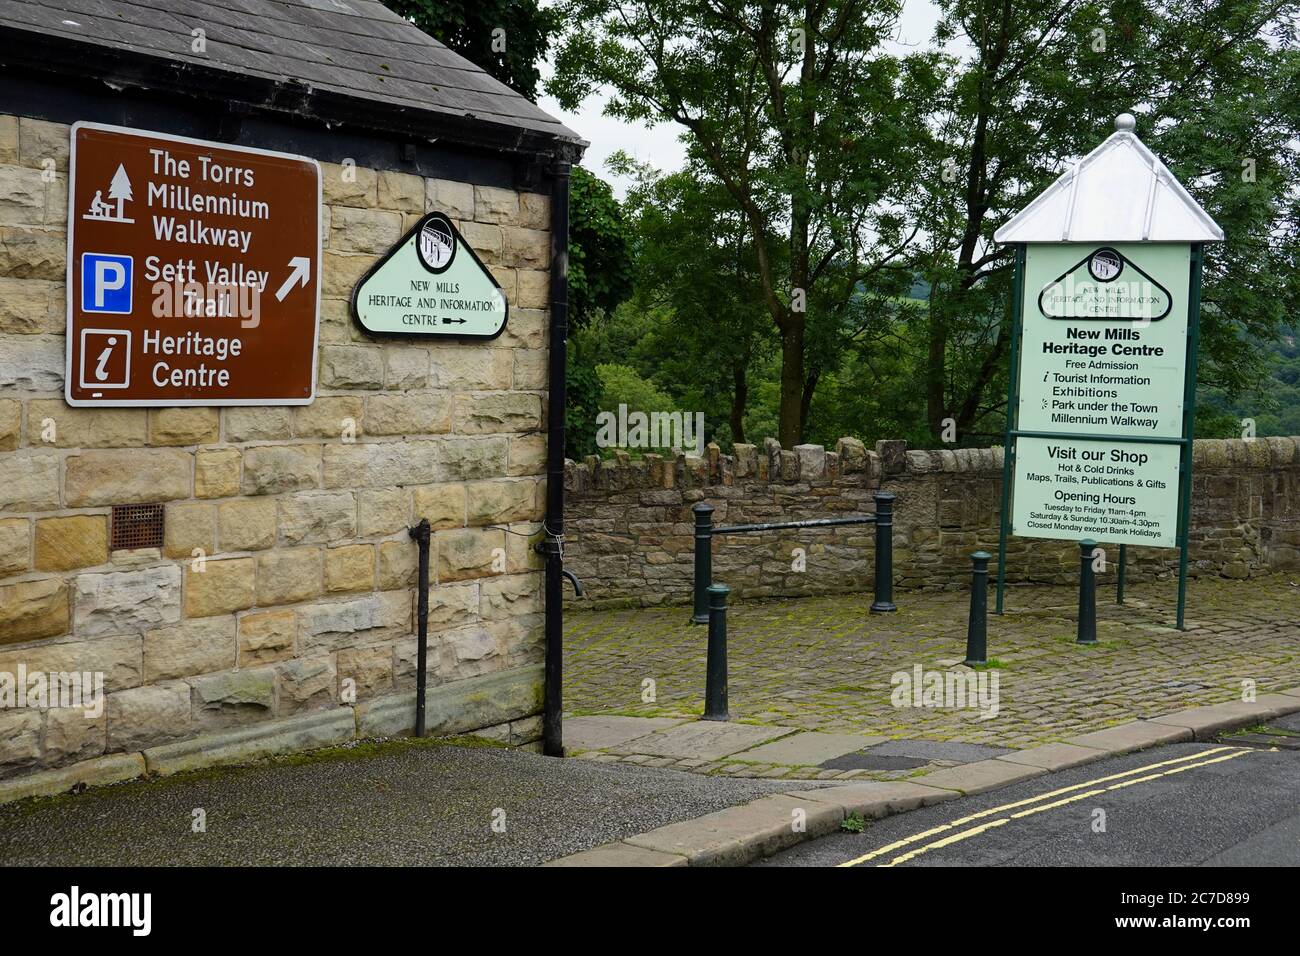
pixel 1026 807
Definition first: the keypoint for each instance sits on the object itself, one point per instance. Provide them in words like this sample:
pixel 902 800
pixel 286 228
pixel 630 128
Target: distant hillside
pixel 1276 410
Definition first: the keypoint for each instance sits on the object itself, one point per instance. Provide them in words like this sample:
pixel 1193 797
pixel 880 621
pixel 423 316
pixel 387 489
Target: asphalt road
pixel 1201 804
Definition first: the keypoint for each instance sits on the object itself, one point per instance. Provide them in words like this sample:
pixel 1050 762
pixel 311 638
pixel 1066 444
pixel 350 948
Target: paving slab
pixel 703 739
pixel 978 777
pixel 809 749
pixel 619 854
pixel 1281 704
pixel 1135 735
pixel 600 732
pixel 743 834
pixel 874 799
pixel 939 750
pixel 1053 757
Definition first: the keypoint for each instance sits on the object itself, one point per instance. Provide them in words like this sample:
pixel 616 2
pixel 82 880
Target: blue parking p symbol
pixel 105 283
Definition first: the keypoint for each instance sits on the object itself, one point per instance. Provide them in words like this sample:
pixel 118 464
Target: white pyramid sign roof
pixel 1120 192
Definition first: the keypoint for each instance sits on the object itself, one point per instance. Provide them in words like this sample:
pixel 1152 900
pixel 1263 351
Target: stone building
pixel 276 610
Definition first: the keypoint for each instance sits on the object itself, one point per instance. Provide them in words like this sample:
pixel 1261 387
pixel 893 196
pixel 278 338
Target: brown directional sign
pixel 193 272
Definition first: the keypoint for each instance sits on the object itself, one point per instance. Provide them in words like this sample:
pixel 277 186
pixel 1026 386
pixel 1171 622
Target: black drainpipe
pixel 421 534
pixel 552 544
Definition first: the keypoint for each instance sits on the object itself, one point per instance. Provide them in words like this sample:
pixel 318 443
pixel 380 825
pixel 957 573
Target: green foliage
pixel 1274 408
pixel 583 391
pixel 471 29
pixel 795 115
pixel 696 269
pixel 600 264
pixel 875 181
pixel 600 277
pixel 621 385
pixel 853 822
pixel 1213 87
pixel 822 160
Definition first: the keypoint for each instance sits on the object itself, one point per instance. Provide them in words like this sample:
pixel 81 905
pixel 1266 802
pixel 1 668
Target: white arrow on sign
pixel 300 274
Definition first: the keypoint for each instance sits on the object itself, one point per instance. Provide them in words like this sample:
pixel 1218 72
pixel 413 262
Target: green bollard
pixel 715 678
pixel 884 584
pixel 1087 594
pixel 977 623
pixel 703 512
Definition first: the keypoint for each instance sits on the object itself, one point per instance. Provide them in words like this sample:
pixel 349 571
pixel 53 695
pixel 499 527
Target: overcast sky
pixel 658 144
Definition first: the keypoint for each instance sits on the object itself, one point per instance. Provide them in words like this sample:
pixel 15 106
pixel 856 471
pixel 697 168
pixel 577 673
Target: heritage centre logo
pixel 1105 265
pixel 437 243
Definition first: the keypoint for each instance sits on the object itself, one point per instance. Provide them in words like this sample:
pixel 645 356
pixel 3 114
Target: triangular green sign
pixel 1105 285
pixel 430 284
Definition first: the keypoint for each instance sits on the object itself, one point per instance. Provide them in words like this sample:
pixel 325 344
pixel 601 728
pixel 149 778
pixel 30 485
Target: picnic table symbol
pixel 119 191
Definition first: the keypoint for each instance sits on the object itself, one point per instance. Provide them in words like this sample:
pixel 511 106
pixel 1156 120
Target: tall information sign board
pixel 1102 394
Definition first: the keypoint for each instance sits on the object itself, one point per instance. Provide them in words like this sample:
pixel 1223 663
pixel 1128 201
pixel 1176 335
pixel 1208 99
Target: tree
pixel 797 114
pixel 697 267
pixel 507 38
pixel 600 255
pixel 1213 85
pixel 600 277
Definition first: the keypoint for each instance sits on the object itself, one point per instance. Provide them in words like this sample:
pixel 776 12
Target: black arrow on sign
pixel 457 321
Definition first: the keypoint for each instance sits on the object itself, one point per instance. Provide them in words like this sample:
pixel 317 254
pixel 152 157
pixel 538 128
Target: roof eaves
pixel 129 66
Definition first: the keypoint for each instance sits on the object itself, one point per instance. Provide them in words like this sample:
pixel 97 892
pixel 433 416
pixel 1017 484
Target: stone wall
pixel 630 527
pixel 285 587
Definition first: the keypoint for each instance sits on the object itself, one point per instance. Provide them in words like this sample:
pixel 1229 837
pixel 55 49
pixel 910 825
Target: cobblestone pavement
pixel 825 664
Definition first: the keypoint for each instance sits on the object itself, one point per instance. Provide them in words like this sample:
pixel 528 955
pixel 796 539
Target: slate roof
pixel 356 49
pixel 1120 192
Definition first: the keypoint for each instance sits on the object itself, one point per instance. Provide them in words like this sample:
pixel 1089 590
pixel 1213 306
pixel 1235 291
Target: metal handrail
pixel 883 519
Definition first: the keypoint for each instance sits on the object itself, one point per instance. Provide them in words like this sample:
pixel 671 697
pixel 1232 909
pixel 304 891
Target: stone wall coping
pixel 770 463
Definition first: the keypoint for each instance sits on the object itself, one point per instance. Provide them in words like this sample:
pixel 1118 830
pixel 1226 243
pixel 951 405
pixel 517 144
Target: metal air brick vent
pixel 137 526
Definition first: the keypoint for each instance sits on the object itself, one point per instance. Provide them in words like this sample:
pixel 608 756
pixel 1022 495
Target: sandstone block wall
pixel 630 527
pixel 286 577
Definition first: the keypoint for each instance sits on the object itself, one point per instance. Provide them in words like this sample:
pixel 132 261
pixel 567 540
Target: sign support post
pixel 1008 449
pixel 1120 574
pixel 1189 425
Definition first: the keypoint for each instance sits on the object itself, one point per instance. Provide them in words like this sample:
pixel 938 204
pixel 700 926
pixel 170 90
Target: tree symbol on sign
pixel 120 191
